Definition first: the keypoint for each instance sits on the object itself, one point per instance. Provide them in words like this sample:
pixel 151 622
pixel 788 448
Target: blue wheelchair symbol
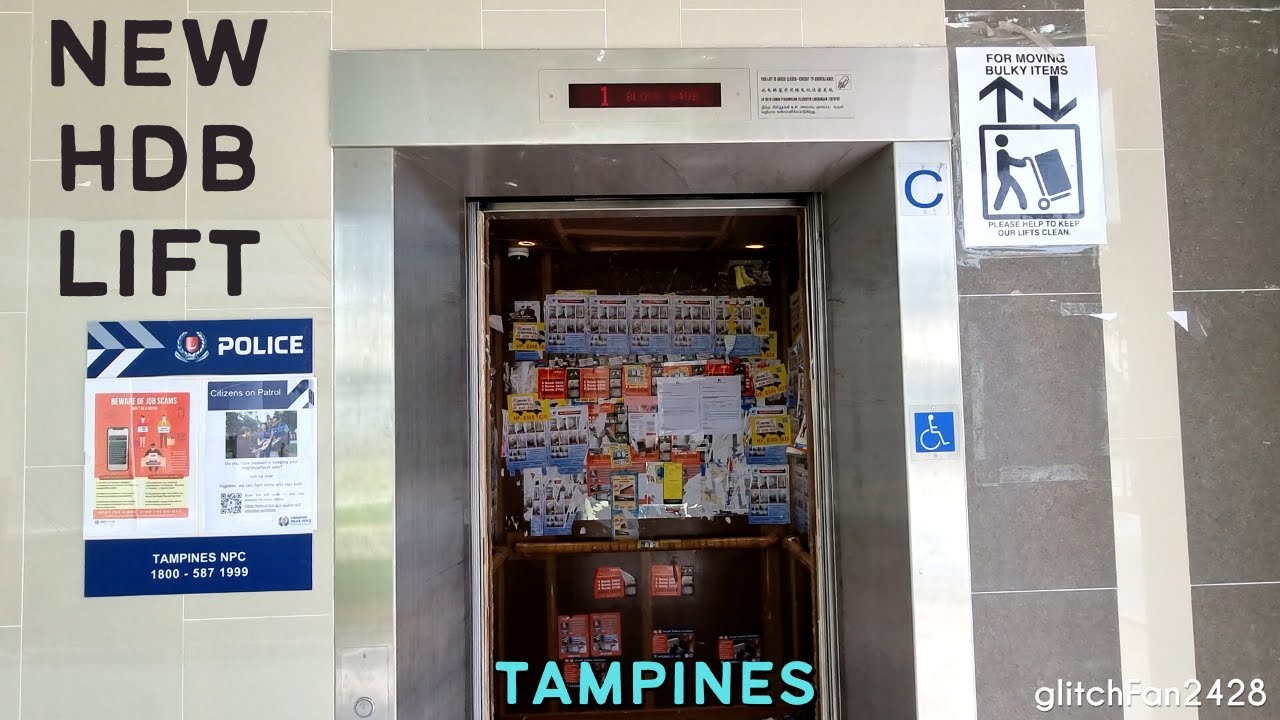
pixel 935 432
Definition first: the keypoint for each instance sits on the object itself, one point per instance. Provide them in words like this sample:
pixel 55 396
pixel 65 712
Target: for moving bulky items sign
pixel 200 457
pixel 1031 147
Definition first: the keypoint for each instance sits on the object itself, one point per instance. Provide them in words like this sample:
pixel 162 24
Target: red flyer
pixel 573 636
pixel 553 383
pixel 718 368
pixel 748 387
pixel 637 380
pixel 594 383
pixel 573 670
pixel 672 644
pixel 690 459
pixel 606 634
pixel 609 583
pixel 724 649
pixel 738 648
pixel 666 581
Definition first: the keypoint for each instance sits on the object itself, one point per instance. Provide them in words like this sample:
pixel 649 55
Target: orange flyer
pixel 142 455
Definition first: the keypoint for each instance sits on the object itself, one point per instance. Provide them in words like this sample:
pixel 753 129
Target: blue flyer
pixel 693 327
pixel 770 496
pixel 650 324
pixel 567 324
pixel 610 324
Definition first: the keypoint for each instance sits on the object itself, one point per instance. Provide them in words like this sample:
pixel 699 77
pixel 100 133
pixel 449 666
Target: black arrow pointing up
pixel 1055 111
pixel 1000 86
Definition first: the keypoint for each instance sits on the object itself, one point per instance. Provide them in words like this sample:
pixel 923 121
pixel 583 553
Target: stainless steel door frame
pixel 823 544
pixel 901 552
pixel 937 483
pixel 478 471
pixel 364 475
pixel 392 217
pixel 471 124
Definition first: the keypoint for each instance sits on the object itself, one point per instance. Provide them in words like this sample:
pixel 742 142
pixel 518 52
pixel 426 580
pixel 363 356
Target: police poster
pixel 200 457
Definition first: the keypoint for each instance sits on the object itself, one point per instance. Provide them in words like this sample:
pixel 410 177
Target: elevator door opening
pixel 648 411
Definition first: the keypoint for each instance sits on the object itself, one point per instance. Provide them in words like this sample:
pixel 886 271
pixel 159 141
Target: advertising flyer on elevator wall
pixel 200 457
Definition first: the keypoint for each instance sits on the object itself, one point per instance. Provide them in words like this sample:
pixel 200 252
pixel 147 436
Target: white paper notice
pixel 679 405
pixel 722 404
pixel 650 489
pixel 263 483
pixel 642 426
pixel 711 405
pixel 1030 130
pixel 804 94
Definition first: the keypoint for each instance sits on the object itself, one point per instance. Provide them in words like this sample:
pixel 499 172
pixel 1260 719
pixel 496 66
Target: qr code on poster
pixel 231 503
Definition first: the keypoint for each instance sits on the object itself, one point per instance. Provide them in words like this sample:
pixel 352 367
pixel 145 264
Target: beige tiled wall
pixel 15 115
pixel 13 372
pixel 110 659
pixel 9 637
pixel 256 656
pixel 1152 566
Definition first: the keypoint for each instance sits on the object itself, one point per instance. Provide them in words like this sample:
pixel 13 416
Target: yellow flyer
pixel 769 346
pixel 769 429
pixel 620 455
pixel 527 408
pixel 672 481
pixel 770 380
pixel 528 338
pixel 762 319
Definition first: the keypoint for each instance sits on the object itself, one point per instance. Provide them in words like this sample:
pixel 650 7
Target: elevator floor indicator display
pixel 1031 147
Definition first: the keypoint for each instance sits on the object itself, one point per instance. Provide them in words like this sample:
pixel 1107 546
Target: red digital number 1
pixel 604 96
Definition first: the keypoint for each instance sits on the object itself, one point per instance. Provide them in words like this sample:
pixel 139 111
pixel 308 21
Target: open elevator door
pixel 411 550
pixel 650 395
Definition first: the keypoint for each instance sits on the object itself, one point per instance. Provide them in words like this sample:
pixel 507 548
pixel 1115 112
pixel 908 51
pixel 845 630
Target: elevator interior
pixel 438 572
pixel 724 556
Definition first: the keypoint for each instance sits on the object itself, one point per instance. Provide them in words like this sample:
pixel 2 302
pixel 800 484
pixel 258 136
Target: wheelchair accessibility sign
pixel 934 431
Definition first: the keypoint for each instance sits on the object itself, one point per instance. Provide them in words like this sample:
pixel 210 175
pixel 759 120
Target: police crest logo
pixel 192 347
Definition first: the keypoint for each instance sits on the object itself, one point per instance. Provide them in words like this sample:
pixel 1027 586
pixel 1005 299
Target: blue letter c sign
pixel 911 198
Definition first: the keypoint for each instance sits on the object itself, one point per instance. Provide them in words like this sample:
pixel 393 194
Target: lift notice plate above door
pixel 1030 147
pixel 798 95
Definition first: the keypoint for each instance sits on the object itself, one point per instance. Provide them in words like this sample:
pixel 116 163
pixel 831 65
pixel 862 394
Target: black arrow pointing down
pixel 1055 111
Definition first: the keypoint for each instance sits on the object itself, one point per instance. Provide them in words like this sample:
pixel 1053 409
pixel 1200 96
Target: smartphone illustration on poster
pixel 117 449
